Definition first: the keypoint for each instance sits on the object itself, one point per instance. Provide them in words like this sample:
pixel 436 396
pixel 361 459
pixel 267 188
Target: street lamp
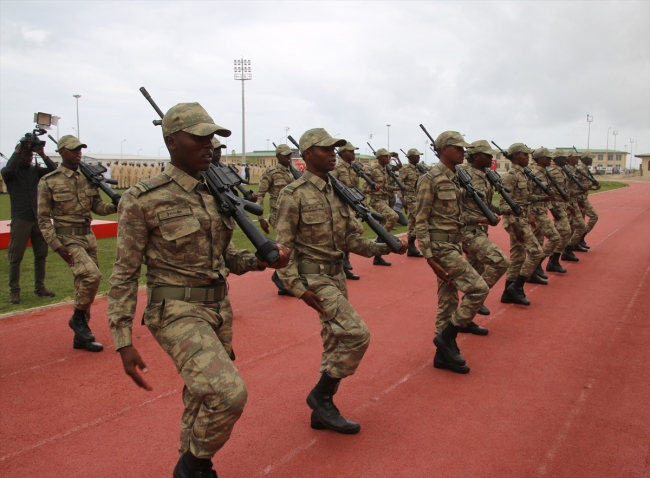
pixel 121 154
pixel 267 143
pixel 77 98
pixel 590 118
pixel 388 129
pixel 139 151
pixel 614 133
pixel 159 150
pixel 608 138
pixel 243 73
pixel 286 134
pixel 631 153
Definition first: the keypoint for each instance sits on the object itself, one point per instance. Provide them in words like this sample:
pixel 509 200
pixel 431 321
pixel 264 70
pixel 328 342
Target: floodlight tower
pixel 243 73
pixel 590 119
pixel 77 98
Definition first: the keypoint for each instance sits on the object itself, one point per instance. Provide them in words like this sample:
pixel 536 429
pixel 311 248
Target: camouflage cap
pixel 348 147
pixel 381 152
pixel 586 155
pixel 318 137
pixel 451 138
pixel 217 144
pixel 572 153
pixel 191 118
pixel 542 153
pixel 518 148
pixel 69 142
pixel 481 146
pixel 413 152
pixel 560 153
pixel 283 150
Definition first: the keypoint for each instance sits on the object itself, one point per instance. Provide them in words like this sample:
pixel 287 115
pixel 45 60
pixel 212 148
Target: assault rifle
pixel 418 165
pixel 563 194
pixel 362 174
pixel 432 146
pixel 529 172
pixel 495 179
pixel 94 174
pixel 477 196
pixel 221 182
pixel 588 176
pixel 573 177
pixel 354 198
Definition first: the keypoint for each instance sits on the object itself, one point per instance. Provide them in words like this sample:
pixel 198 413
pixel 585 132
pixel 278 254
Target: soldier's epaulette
pixel 294 185
pixel 435 172
pixel 149 184
pixel 56 171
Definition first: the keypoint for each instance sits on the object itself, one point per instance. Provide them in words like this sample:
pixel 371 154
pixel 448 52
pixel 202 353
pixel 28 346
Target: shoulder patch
pixel 56 171
pixel 150 184
pixel 294 185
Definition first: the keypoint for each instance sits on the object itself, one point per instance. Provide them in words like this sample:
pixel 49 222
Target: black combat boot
pixel 505 297
pixel 583 243
pixel 325 413
pixel 554 265
pixel 535 279
pixel 282 290
pixel 346 262
pixel 80 327
pixel 439 361
pixel 579 248
pixel 412 250
pixel 568 255
pixel 349 275
pixel 189 466
pixel 92 346
pixel 516 291
pixel 379 261
pixel 446 343
pixel 539 272
pixel 474 329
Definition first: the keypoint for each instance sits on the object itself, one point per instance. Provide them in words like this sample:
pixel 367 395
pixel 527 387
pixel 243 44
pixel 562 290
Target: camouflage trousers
pixel 525 256
pixel 562 225
pixel 484 256
pixel 411 203
pixel 85 268
pixel 345 335
pixel 589 211
pixel 545 229
pixel 462 277
pixel 578 225
pixel 198 339
pixel 382 207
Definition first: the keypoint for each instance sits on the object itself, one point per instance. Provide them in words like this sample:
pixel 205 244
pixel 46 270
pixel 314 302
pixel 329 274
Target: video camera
pixel 43 121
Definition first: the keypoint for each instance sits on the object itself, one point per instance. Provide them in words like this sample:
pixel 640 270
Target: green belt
pixel 438 237
pixel 188 294
pixel 73 231
pixel 327 269
pixel 475 228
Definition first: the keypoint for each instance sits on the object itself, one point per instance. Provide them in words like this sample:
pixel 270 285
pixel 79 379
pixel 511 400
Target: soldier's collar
pixel 315 180
pixel 517 167
pixel 184 180
pixel 69 172
pixel 477 171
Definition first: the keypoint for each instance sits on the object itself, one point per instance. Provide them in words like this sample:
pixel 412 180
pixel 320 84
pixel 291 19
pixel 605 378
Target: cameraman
pixel 21 178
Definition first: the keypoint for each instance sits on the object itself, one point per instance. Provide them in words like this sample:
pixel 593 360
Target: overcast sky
pixel 504 71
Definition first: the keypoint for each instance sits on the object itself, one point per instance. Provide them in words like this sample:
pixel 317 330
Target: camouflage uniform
pixel 539 208
pixel 439 226
pixel 525 256
pixel 319 228
pixel 481 251
pixel 171 224
pixel 344 172
pixel 65 202
pixel 583 200
pixel 559 208
pixel 379 200
pixel 409 176
pixel 578 225
pixel 273 181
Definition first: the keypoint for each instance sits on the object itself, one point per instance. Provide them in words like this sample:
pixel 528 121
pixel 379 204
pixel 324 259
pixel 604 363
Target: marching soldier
pixel 539 202
pixel 586 207
pixel 578 225
pixel 273 181
pixel 409 176
pixel 379 199
pixel 525 251
pixel 560 210
pixel 482 254
pixel 65 202
pixel 319 228
pixel 172 223
pixel 439 226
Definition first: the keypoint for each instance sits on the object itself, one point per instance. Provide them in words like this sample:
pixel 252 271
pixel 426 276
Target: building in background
pixel 645 164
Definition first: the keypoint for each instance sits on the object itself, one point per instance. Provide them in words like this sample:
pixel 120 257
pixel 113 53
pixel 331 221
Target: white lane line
pixel 582 397
pixel 35 367
pixel 621 226
pixel 85 426
pixel 286 458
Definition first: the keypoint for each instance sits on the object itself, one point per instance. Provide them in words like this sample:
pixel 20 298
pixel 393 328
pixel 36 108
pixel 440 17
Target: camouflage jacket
pixel 273 181
pixel 318 228
pixel 517 181
pixel 439 206
pixel 561 179
pixel 344 173
pixel 379 175
pixel 171 224
pixel 536 194
pixel 585 182
pixel 66 199
pixel 409 176
pixel 471 212
pixel 574 189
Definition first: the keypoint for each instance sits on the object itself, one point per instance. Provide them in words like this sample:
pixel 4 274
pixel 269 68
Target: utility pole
pixel 78 133
pixel 589 121
pixel 243 73
pixel 388 129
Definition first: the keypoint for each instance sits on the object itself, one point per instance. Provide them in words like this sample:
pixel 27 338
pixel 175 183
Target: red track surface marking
pixel 561 388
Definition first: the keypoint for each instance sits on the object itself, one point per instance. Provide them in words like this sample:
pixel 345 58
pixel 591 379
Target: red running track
pixel 557 389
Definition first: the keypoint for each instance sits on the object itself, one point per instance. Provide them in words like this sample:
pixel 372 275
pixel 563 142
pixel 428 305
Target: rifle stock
pixel 495 179
pixel 555 184
pixel 465 180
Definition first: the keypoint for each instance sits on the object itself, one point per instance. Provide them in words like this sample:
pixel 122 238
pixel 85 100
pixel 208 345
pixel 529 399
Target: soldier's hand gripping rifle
pixel 587 176
pixel 420 167
pixel 528 172
pixel 495 180
pixel 220 182
pixel 477 196
pixel 94 175
pixel 354 198
pixel 561 191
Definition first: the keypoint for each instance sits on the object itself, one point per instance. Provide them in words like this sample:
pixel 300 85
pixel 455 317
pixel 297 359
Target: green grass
pixel 608 186
pixel 59 279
